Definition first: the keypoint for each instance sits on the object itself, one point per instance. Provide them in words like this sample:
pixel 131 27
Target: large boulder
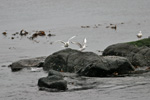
pixel 107 66
pixel 27 63
pixel 53 82
pixel 69 60
pixel 137 52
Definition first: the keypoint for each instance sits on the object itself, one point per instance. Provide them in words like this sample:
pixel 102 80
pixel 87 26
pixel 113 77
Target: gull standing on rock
pixel 66 44
pixel 139 35
pixel 82 46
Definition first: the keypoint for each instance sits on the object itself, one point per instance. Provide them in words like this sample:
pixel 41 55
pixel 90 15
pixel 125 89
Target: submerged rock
pixel 53 82
pixel 26 63
pixel 86 63
pixel 137 52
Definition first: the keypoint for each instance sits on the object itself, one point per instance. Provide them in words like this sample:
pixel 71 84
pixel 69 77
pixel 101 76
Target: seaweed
pixel 141 43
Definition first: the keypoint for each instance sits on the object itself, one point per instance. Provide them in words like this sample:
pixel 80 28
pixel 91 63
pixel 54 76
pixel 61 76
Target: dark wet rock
pixel 15 34
pixel 53 82
pixel 12 38
pixel 41 33
pixel 114 27
pixel 54 62
pixel 26 63
pixel 23 32
pixel 140 71
pixel 69 60
pixel 85 26
pixel 137 52
pixel 53 72
pixel 51 35
pixel 38 33
pixel 3 66
pixel 107 66
pixel 4 33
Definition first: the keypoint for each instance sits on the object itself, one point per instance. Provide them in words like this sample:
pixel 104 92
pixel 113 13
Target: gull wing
pixel 84 41
pixel 77 43
pixel 61 41
pixel 71 38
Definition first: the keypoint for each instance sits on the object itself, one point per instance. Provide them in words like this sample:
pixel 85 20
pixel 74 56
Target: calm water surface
pixel 64 18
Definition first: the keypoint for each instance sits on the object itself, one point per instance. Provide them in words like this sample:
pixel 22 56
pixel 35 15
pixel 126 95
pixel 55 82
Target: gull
pixel 66 44
pixel 82 46
pixel 139 35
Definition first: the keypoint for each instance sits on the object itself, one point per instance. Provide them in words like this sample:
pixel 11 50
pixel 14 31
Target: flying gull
pixel 66 44
pixel 82 46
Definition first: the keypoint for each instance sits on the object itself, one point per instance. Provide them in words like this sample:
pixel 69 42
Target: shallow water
pixel 64 19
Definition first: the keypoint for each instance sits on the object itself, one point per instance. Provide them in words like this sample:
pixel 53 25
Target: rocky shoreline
pixel 118 60
pixel 137 52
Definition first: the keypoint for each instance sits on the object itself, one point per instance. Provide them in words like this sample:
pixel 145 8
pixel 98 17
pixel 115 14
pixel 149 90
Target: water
pixel 64 19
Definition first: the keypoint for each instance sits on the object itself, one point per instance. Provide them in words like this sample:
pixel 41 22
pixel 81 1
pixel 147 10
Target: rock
pixel 3 66
pixel 54 62
pixel 108 66
pixel 4 33
pixel 53 82
pixel 69 60
pixel 26 63
pixel 137 52
pixel 53 72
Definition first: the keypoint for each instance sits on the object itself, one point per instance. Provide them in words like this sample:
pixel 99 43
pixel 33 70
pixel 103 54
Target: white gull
pixel 139 35
pixel 66 44
pixel 82 46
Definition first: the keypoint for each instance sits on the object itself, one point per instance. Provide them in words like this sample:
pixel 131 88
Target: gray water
pixel 64 18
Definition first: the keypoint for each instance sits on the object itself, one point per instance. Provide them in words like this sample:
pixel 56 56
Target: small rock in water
pixel 51 35
pixel 4 33
pixel 38 33
pixel 41 33
pixel 114 27
pixel 27 63
pixel 52 82
pixel 12 38
pixel 23 32
pixel 107 26
pixel 3 66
